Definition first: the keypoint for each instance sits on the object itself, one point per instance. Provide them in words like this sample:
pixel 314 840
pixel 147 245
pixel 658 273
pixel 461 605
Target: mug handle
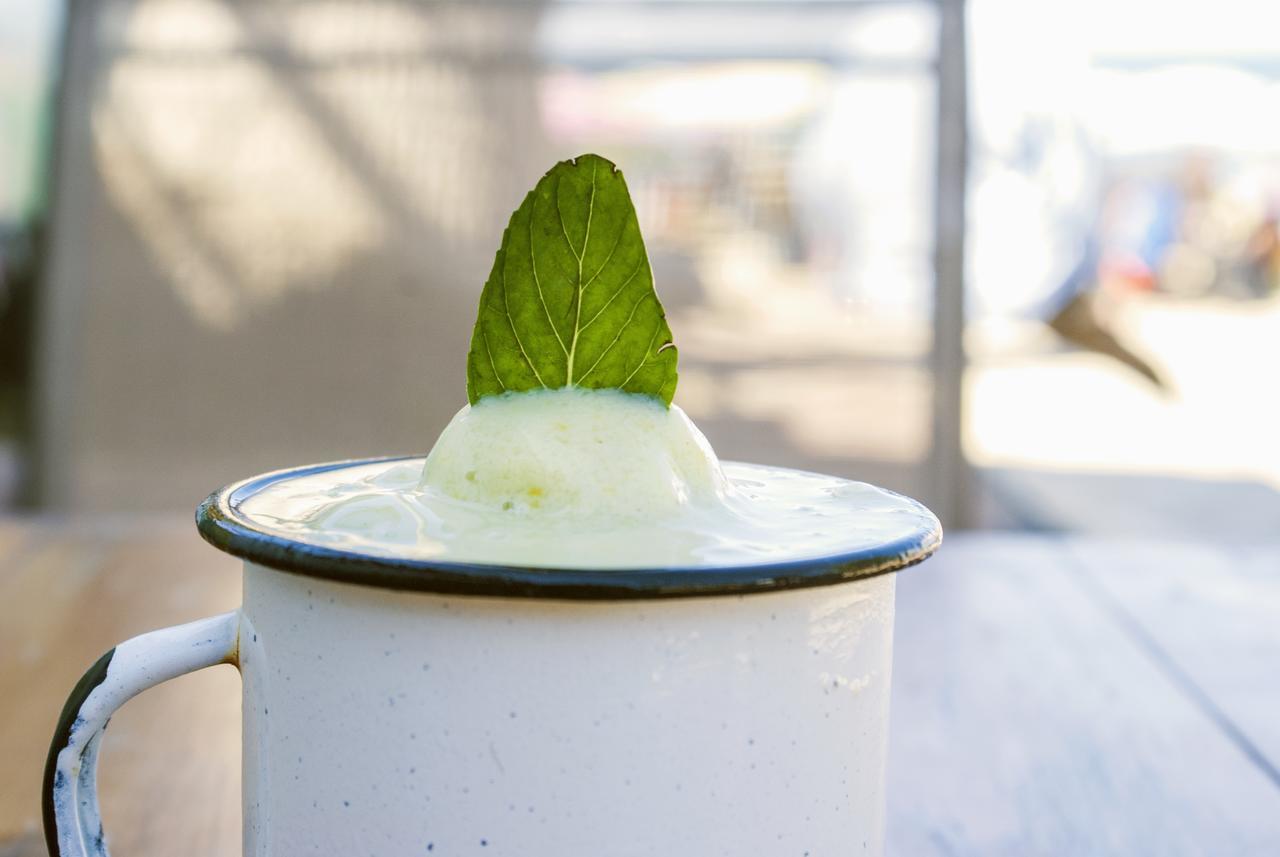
pixel 72 823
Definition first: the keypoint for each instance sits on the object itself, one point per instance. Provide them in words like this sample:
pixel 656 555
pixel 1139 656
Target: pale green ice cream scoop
pixel 577 452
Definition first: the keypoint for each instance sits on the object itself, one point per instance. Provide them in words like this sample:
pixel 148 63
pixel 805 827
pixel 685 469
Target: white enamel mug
pixel 397 707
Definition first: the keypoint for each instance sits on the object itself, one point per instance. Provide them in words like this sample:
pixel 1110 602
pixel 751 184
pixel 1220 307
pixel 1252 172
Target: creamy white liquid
pixel 582 479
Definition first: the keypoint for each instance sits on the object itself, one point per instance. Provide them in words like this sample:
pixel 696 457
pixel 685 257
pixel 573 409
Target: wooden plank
pixel 1139 506
pixel 16 538
pixel 28 845
pixel 170 768
pixel 1026 721
pixel 1209 616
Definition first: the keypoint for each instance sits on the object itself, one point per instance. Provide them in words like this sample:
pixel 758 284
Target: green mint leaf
pixel 570 299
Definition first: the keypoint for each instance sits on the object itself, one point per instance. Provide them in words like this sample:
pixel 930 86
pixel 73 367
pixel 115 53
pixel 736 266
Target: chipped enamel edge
pixel 72 822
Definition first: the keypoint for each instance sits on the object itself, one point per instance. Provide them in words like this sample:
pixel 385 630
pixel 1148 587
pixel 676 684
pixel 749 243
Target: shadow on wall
pixel 271 225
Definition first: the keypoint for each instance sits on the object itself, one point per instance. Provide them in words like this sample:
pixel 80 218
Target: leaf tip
pixel 588 157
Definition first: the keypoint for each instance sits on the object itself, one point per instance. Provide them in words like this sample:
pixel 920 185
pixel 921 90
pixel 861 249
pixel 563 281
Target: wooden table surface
pixel 1052 695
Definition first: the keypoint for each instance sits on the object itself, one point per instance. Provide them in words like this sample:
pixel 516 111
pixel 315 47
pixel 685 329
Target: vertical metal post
pixel 949 471
pixel 65 276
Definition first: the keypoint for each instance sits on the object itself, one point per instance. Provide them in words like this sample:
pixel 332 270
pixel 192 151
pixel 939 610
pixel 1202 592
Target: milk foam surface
pixel 581 479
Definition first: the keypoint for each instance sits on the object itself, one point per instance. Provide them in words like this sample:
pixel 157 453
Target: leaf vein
pixel 649 357
pixel 607 260
pixel 564 230
pixel 533 265
pixel 620 290
pixel 484 336
pixel 580 288
pixel 506 309
pixel 616 339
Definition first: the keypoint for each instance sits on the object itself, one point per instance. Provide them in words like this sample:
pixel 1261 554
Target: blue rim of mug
pixel 222 524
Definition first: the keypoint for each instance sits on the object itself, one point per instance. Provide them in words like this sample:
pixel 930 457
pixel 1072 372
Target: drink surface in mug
pixel 582 478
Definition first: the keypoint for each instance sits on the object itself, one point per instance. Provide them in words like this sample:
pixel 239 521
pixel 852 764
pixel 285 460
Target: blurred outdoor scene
pixel 240 236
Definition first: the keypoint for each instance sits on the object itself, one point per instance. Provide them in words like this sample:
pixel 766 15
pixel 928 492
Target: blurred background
pixel 1025 268
pixel 1017 258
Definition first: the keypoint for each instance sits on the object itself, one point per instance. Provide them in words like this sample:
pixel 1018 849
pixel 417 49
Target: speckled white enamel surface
pixel 395 723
